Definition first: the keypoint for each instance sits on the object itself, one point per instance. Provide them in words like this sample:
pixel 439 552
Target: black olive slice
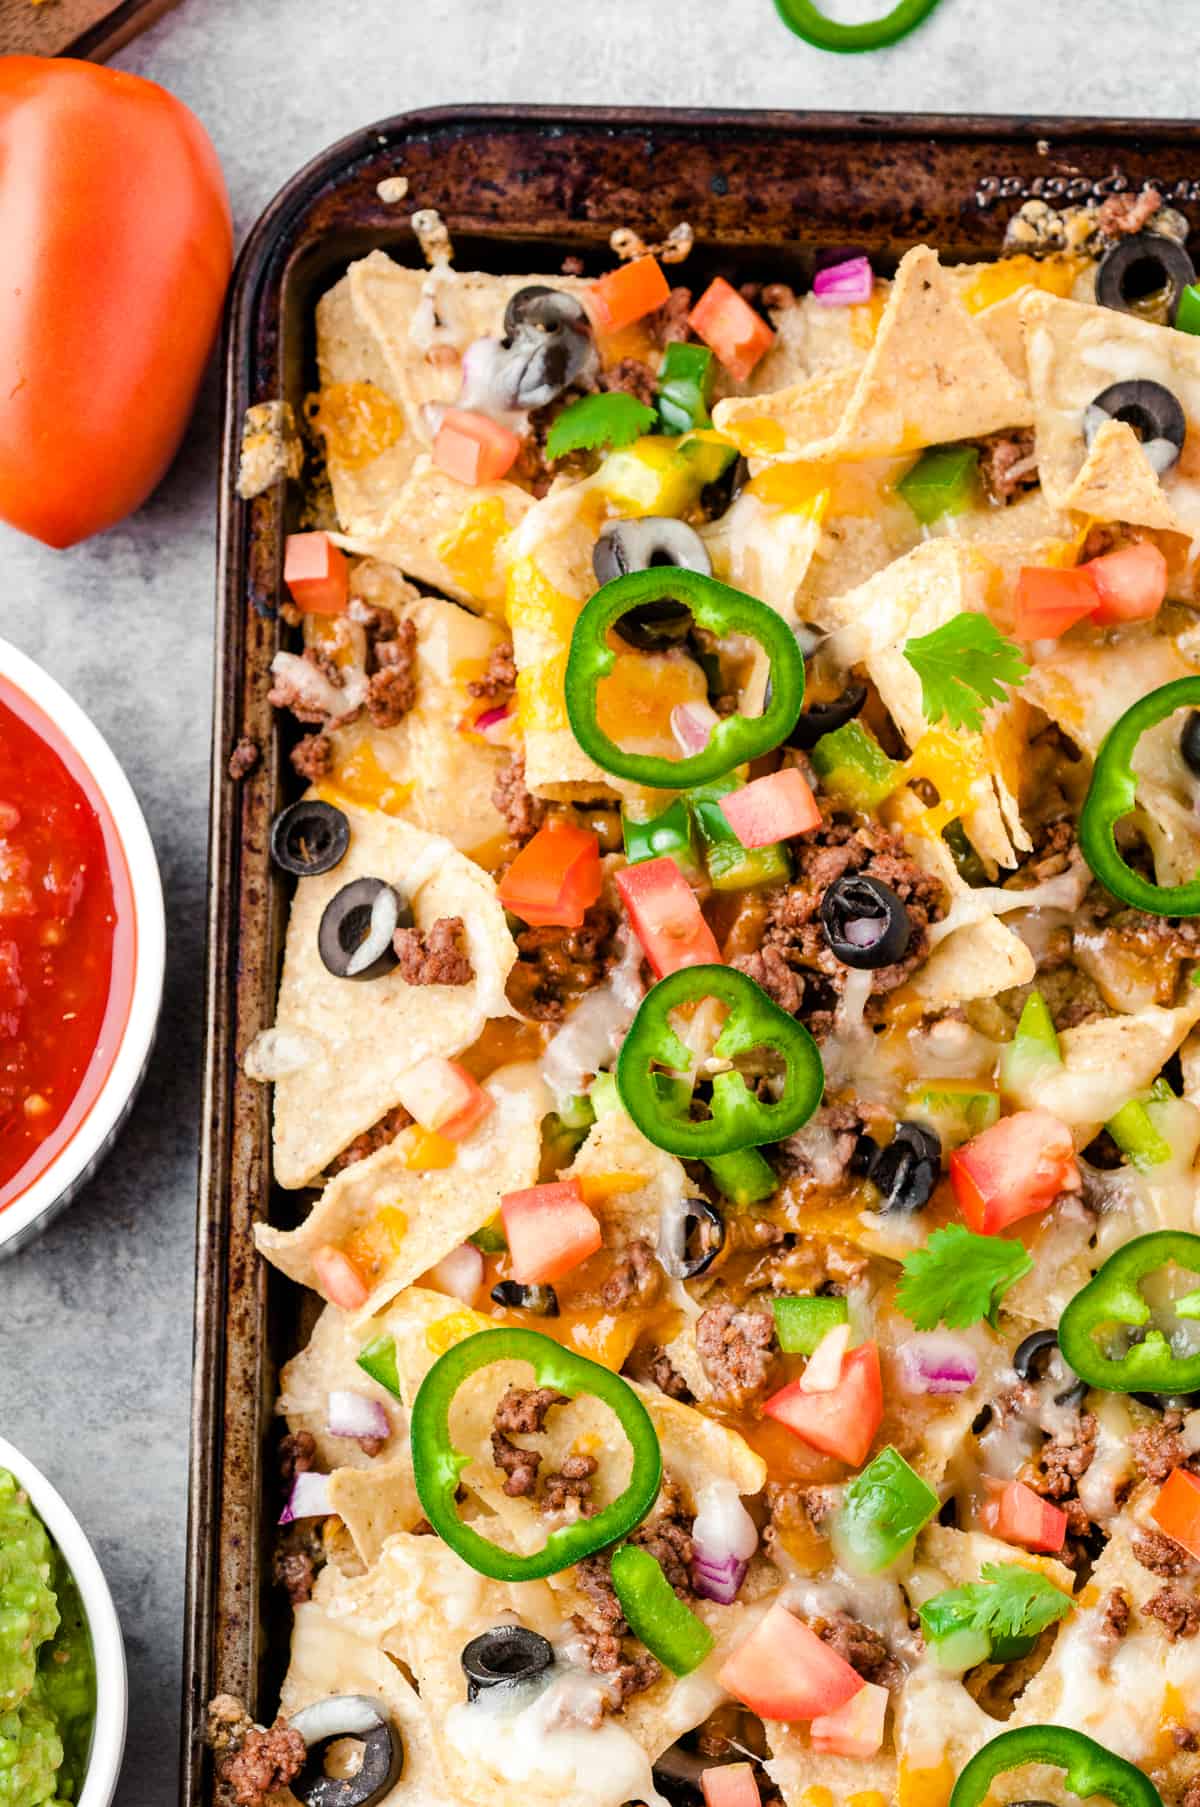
pixel 542 1301
pixel 1168 1402
pixel 1155 415
pixel 547 345
pixel 1189 742
pixel 1028 1355
pixel 823 718
pixel 504 1656
pixel 549 310
pixel 347 1716
pixel 643 545
pixel 907 1170
pixel 1141 266
pixel 865 923
pixel 355 936
pixel 309 837
pixel 697 1238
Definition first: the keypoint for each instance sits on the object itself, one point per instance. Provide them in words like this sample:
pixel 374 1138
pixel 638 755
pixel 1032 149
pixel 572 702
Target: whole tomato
pixel 117 244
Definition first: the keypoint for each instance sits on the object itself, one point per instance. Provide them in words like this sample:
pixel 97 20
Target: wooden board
pixel 85 28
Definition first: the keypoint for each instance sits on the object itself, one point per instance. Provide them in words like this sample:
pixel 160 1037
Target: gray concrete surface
pixel 95 1320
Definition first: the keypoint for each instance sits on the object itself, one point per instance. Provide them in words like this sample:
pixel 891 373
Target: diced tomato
pixel 1132 583
pixel 316 574
pixel 1176 1511
pixel 666 917
pixel 1014 1169
pixel 784 1671
pixel 843 1421
pixel 1019 1515
pixel 627 294
pixel 441 1095
pixel 338 1278
pixel 772 808
pixel 730 327
pixel 730 1785
pixel 1049 601
pixel 855 1730
pixel 555 878
pixel 474 447
pixel 549 1230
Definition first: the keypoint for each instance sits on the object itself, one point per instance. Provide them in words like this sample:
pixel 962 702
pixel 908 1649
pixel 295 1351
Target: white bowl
pixel 108 1735
pixel 89 1142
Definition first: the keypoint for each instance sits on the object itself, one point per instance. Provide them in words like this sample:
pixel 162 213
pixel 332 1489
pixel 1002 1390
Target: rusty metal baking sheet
pixel 519 188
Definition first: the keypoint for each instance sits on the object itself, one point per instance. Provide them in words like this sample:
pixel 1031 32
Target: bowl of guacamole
pixel 62 1661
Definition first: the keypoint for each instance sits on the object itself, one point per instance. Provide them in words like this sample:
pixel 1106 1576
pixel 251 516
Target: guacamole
pixel 47 1670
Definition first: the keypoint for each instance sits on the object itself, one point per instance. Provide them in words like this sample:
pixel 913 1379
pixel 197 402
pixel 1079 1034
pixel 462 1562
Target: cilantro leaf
pixel 959 1277
pixel 598 420
pixel 1010 1606
pixel 963 666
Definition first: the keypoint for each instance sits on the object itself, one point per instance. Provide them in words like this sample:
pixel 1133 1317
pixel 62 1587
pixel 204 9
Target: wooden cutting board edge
pixel 81 28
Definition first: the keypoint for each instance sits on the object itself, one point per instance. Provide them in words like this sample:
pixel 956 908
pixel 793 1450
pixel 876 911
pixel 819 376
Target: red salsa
pixel 66 943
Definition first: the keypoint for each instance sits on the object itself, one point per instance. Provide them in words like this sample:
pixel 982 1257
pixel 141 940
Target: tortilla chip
pixel 362 1036
pixel 375 1503
pixel 931 376
pixel 425 767
pixel 917 593
pixel 1076 351
pixel 1085 690
pixel 329 1658
pixel 376 329
pixel 1105 1062
pixel 765 551
pixel 427 1212
pixel 443 533
pixel 811 337
pixel 977 958
pixel 329 1363
pixel 423 1604
pixel 809 1778
pixel 1116 481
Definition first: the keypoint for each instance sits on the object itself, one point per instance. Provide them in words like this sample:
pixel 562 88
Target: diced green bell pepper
pixel 744 1178
pixel 1033 1050
pixel 1187 313
pixel 685 386
pixel 604 1095
pixel 1136 1134
pixel 943 481
pixel 671 833
pixel 853 766
pixel 490 1240
pixel 883 1509
pixel 732 867
pixel 955 1108
pixel 802 1319
pixel 378 1359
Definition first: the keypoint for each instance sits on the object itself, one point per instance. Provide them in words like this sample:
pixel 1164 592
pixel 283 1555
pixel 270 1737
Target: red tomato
pixel 1019 1515
pixel 855 1730
pixel 440 1095
pixel 1132 583
pixel 772 808
pixel 117 247
pixel 840 1423
pixel 555 878
pixel 1176 1511
pixel 316 574
pixel 338 1279
pixel 474 447
pixel 666 917
pixel 627 294
pixel 1049 601
pixel 784 1671
pixel 731 328
pixel 730 1785
pixel 1015 1169
pixel 549 1230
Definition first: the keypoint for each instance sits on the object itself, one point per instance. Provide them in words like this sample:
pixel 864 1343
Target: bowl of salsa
pixel 81 948
pixel 63 1685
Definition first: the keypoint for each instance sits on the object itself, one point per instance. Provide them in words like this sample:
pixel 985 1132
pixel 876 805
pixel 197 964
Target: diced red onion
pixel 493 722
pixel 719 1581
pixel 724 1538
pixel 692 724
pixel 936 1362
pixel 354 1415
pixel 309 1498
pixel 460 1273
pixel 843 284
